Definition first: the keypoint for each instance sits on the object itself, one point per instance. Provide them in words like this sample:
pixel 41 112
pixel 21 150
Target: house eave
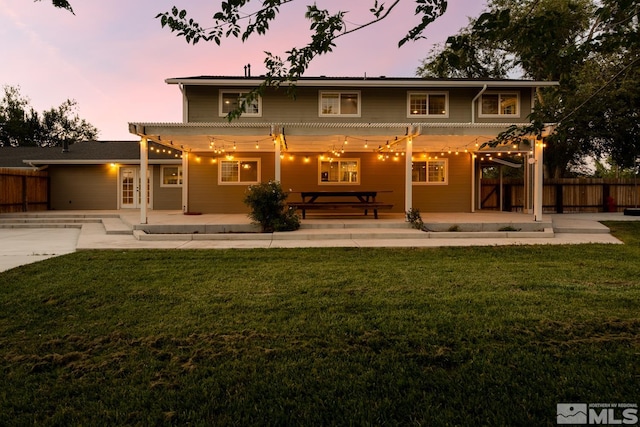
pixel 139 128
pixel 363 82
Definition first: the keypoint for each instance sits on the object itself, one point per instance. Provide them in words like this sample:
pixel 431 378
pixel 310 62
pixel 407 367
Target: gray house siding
pixel 384 105
pixel 165 198
pixel 453 197
pixel 83 187
pixel 203 103
pixel 207 196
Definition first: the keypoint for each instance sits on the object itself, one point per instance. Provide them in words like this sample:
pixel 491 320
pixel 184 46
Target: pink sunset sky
pixel 112 56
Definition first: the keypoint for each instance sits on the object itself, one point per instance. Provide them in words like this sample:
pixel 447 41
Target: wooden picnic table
pixel 347 199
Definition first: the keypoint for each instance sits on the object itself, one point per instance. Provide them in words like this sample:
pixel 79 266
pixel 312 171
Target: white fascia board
pixel 379 83
pixel 334 125
pixel 100 162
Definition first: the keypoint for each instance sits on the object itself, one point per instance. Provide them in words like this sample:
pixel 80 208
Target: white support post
pixel 144 170
pixel 473 182
pixel 277 139
pixel 538 180
pixel 408 191
pixel 528 187
pixel 185 181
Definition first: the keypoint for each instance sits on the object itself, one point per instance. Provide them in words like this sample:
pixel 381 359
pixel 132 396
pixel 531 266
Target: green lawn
pixel 446 336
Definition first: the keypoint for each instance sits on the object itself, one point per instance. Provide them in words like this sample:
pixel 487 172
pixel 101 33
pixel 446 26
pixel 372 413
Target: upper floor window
pixel 242 171
pixel 500 104
pixel 340 103
pixel 171 176
pixel 340 171
pixel 426 104
pixel 231 99
pixel 429 172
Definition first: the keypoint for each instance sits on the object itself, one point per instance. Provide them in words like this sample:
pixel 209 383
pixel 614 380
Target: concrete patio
pixel 35 236
pixel 32 237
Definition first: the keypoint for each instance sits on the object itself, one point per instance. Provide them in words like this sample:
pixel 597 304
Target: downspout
pixel 473 104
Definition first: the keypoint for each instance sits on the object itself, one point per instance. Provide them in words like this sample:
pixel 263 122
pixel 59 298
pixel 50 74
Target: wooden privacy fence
pixel 23 190
pixel 564 195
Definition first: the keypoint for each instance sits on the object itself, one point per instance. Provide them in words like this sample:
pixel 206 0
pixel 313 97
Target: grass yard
pixel 449 336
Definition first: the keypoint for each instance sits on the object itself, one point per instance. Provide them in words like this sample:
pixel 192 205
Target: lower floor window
pixel 171 176
pixel 339 171
pixel 429 171
pixel 239 171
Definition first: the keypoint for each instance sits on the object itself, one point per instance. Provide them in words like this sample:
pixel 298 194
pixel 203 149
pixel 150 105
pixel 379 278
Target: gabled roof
pixel 382 81
pixel 83 152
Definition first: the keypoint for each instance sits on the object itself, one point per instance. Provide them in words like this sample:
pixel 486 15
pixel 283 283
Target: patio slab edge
pixel 371 234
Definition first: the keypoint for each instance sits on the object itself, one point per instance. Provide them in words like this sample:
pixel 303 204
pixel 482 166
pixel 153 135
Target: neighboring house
pixel 101 174
pixel 418 140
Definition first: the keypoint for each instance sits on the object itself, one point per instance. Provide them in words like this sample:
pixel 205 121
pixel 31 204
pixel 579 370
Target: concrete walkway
pixel 113 230
pixel 19 246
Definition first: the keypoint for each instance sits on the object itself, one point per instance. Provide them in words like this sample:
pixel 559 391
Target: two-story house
pixel 418 141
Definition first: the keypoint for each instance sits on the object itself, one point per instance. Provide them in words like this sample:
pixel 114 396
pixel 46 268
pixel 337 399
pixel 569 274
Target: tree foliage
pixel 21 125
pixel 62 4
pixel 234 19
pixel 590 47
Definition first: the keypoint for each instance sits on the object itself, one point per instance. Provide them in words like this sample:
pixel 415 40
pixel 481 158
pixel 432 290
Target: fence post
pixel 606 192
pixel 559 198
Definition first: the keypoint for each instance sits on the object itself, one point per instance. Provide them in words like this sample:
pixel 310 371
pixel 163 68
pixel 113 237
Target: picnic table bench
pixel 365 200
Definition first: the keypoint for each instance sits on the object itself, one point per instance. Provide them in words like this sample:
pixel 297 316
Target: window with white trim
pixel 170 176
pixel 500 104
pixel 340 171
pixel 230 100
pixel 240 171
pixel 334 103
pixel 428 104
pixel 430 172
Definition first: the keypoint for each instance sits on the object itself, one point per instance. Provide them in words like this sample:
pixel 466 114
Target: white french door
pixel 129 188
